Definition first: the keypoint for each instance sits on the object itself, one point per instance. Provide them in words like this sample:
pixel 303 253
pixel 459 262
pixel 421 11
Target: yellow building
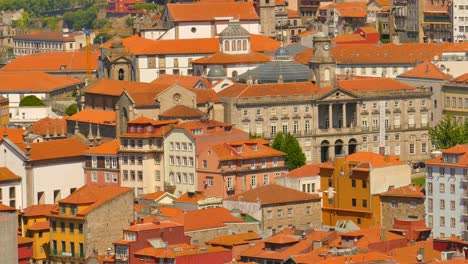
pixel 35 225
pixel 351 186
pixel 87 221
pixel 4 111
pixel 455 94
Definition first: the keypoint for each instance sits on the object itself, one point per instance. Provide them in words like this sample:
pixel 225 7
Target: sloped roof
pixel 305 171
pixel 13 134
pixel 234 240
pixel 210 11
pixel 48 125
pixel 374 85
pixel 94 116
pixel 414 191
pixel 461 149
pixel 24 240
pixel 39 226
pixel 48 36
pixel 182 111
pixel 143 120
pixel 241 90
pixel 376 160
pixel 407 254
pixel 93 196
pixel 226 151
pixel 182 250
pixel 107 148
pixel 271 72
pixel 461 79
pixel 190 198
pixel 151 226
pixel 351 9
pixel 183 80
pixel 206 218
pixel 38 210
pixel 7 175
pixel 153 196
pixel 268 194
pixel 383 2
pixel 224 58
pixel 4 208
pixel 35 82
pixel 57 149
pixel 347 38
pixel 426 70
pixel 53 61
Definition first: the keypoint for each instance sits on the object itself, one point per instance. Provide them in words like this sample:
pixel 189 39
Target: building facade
pixel 101 166
pixel 459 16
pixel 9 227
pixel 455 96
pixel 447 193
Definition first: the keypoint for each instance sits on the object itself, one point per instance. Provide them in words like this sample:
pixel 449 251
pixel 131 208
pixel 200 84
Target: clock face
pixel 326 47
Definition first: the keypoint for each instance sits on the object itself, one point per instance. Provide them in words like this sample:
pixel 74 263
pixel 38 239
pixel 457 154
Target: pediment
pixel 338 95
pixel 120 59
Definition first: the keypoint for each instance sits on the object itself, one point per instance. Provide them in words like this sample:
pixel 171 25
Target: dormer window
pixel 130 236
pixel 239 149
pixel 149 129
pixel 63 209
pixel 255 147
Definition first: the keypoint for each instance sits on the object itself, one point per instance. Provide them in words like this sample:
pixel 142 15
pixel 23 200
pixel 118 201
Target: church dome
pixel 216 71
pixel 234 30
pixel 282 54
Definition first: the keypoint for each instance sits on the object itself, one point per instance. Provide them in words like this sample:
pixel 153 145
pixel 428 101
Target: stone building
pixel 455 98
pixel 403 203
pixel 275 212
pixel 334 117
pixel 8 243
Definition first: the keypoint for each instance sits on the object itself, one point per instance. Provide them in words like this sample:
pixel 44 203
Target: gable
pixel 176 95
pixel 121 59
pixel 338 95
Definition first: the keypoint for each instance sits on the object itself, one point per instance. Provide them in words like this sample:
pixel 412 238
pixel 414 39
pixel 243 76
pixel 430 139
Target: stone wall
pixel 198 237
pixel 299 217
pixel 404 209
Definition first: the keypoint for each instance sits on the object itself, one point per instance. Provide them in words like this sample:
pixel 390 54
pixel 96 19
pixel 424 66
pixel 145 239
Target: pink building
pixel 25 251
pixel 184 254
pixel 229 168
pixel 142 235
pixel 102 164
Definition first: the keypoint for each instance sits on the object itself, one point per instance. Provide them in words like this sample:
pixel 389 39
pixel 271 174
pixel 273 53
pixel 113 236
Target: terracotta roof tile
pixel 53 62
pixel 55 149
pixel 143 120
pixel 4 208
pixel 374 84
pixel 293 14
pixel 210 11
pixel 305 171
pixel 461 150
pixel 153 196
pixel 281 239
pixel 108 148
pixel 7 176
pixel 93 196
pixel 461 79
pixel 170 211
pixel 369 30
pixel 94 116
pixel 426 70
pixel 351 9
pixel 39 226
pixel 370 257
pixel 383 2
pixel 227 151
pixel 374 159
pixel 35 82
pixel 182 250
pixel 49 35
pixel 13 134
pixel 431 7
pixel 48 125
pixel 223 58
pixel 411 190
pixel 206 218
pixel 192 198
pixel 347 38
pixel 38 210
pixel 306 33
pixel 183 80
pixel 241 90
pixel 408 254
pixel 151 226
pixel 268 194
pixel 234 240
pixel 24 240
pixel 182 111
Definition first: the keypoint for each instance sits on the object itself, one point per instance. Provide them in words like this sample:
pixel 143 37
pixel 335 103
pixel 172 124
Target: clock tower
pixel 322 64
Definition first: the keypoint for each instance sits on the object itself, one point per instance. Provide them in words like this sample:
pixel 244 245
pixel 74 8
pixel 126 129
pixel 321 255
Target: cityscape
pixel 233 131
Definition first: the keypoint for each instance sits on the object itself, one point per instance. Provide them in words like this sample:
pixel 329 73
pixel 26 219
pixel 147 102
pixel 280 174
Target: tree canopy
pixel 295 158
pixel 71 109
pixel 448 133
pixel 31 100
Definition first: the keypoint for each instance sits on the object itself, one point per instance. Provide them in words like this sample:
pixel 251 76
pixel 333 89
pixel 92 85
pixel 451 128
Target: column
pixel 344 115
pixel 330 116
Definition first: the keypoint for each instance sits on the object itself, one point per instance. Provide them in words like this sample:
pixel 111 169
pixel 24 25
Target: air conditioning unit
pixel 446 255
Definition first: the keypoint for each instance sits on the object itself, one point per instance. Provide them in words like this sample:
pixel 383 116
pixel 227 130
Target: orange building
pixel 4 111
pixel 351 186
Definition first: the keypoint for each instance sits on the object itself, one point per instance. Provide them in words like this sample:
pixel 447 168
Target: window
pixel 411 148
pixel 157 175
pixel 442 187
pixel 452 188
pixel 124 159
pixel 364 203
pixel 107 177
pixel 442 204
pixel 423 147
pixel 140 175
pixel 210 181
pixel 290 212
pixel 429 205
pixel 269 214
pixel 429 188
pixel 93 161
pixel 308 211
pixel 452 172
pixel 447 101
pixel 452 222
pixel 107 163
pixel 114 162
pixel 179 178
pixel 364 184
pixel 452 205
pixel 266 179
pixel 94 176
pixel 353 202
pixel 72 228
pixel 454 102
pixel 442 222
pixel 62 227
pixel 410 103
pixel 275 161
pixel 125 175
pixel 279 213
pixel 442 171
pixel 139 160
pixel 306 126
pixel 353 183
pixel 253 181
pixel 139 143
pixel 191 178
pixel 394 204
pixel 204 164
pixel 132 160
pixel 190 162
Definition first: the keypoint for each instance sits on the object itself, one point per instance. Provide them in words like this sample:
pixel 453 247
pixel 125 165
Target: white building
pixel 447 193
pixel 305 179
pixel 25 115
pixel 10 188
pixel 460 20
pixel 48 170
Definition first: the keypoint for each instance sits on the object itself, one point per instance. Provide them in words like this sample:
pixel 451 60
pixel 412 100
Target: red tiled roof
pixel 182 111
pixel 241 90
pixel 306 33
pixel 108 148
pixel 38 210
pixel 461 79
pixel 183 80
pixel 40 226
pixel 4 208
pixel 369 257
pixel 226 151
pixel 305 171
pixel 351 9
pixel 49 125
pixel 56 149
pixel 347 38
pixel 169 211
pixel 94 116
pixel 93 196
pixel 143 120
pixel 153 196
pixel 206 218
pixel 373 84
pixel 210 11
pixel 293 14
pixel 431 7
pixel 281 239
pixel 223 58
pixel 383 2
pixel 183 250
pixel 53 61
pixel 234 240
pixel 426 70
pixel 411 190
pixel 24 240
pixel 268 194
pixel 13 134
pixel 407 254
pixel 376 160
pixel 151 226
pixel 49 36
pixel 461 150
pixel 190 198
pixel 7 175
pixel 35 82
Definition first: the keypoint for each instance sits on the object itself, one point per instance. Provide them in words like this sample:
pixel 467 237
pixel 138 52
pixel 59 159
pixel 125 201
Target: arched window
pixel 234 74
pixel 233 45
pixel 226 45
pixel 121 74
pixel 244 44
pixel 326 75
pixel 239 45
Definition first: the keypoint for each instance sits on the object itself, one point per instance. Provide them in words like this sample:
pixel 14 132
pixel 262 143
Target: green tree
pixel 71 109
pixel 287 143
pixel 448 133
pixel 31 100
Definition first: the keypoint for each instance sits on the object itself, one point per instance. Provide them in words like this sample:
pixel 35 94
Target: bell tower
pixel 322 64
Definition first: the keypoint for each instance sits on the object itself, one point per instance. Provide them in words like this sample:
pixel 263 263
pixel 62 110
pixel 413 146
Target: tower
pixel 322 64
pixel 266 11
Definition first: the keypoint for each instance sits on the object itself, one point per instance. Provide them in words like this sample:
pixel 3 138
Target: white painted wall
pixel 202 30
pixel 12 160
pixel 384 177
pixel 15 98
pixel 5 190
pixel 31 114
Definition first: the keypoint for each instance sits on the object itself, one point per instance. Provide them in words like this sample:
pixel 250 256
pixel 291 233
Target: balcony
pixel 465 195
pixel 465 179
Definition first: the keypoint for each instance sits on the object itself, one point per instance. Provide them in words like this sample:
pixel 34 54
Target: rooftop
pixel 461 79
pixel 183 80
pixel 153 196
pixel 191 198
pixel 234 240
pixel 4 208
pixel 49 125
pixel 224 58
pixel 107 148
pixel 250 148
pixel 206 219
pixel 94 116
pixel 242 90
pixel 426 70
pixel 268 195
pixel 7 175
pixel 151 226
pixel 178 250
pixel 56 149
pixel 38 210
pixel 36 82
pixel 49 36
pixel 305 171
pixel 412 190
pixel 461 150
